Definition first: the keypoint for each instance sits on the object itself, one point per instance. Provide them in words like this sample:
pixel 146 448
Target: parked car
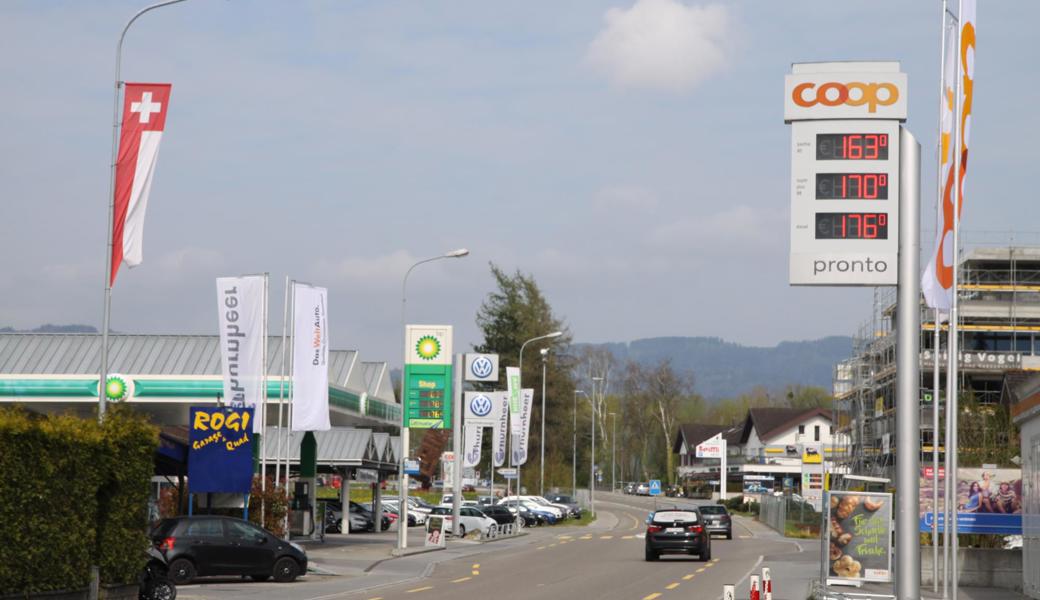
pixel 470 519
pixel 677 531
pixel 201 546
pixel 630 488
pixel 717 519
pixel 538 504
pixel 483 501
pixel 415 516
pixel 501 514
pixel 643 489
pixel 562 500
pixel 388 518
pixel 360 517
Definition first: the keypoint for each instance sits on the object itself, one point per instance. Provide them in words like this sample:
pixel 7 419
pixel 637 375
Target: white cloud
pixel 737 230
pixel 624 198
pixel 662 44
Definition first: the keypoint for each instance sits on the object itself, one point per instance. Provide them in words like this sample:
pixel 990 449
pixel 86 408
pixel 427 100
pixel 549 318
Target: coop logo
pixel 855 93
pixel 481 367
pixel 480 406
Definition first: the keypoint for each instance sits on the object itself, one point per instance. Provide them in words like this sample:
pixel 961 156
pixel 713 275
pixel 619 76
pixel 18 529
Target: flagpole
pixel 953 402
pixel 936 340
pixel 288 417
pixel 106 317
pixel 263 412
pixel 281 394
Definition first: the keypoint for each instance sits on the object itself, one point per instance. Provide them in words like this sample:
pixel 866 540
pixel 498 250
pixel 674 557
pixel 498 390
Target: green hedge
pixel 73 494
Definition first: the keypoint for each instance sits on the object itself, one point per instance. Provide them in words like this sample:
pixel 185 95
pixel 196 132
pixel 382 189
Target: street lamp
pixel 402 521
pixel 574 446
pixel 547 336
pixel 541 468
pixel 613 448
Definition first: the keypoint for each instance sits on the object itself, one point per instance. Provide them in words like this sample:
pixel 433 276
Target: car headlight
pixel 298 547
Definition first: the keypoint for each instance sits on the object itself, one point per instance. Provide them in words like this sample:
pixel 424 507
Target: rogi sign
pixel 220 454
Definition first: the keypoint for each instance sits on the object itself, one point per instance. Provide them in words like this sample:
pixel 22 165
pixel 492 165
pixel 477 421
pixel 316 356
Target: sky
pixel 631 155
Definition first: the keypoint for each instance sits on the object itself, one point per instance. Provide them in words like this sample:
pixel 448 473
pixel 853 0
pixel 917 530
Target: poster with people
pixel 859 528
pixel 989 500
pixel 435 531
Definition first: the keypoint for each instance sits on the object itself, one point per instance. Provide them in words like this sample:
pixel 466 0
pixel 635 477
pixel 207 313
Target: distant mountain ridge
pixel 724 369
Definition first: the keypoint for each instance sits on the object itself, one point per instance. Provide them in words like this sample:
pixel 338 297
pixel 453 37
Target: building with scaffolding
pixel 999 330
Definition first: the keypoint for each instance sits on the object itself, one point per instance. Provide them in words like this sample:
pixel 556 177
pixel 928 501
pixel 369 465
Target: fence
pixel 789 516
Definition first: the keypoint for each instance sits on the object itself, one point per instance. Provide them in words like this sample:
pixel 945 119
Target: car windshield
pixel 714 509
pixel 564 499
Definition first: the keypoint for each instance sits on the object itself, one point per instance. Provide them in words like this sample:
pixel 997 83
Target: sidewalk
pixel 795 573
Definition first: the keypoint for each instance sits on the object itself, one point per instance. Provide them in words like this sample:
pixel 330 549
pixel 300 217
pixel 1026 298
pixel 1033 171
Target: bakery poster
pixel 859 527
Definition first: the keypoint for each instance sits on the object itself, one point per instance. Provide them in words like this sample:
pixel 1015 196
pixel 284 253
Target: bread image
pixel 847 505
pixel 834 502
pixel 835 551
pixel 836 529
pixel 846 566
pixel 872 504
pixel 844 539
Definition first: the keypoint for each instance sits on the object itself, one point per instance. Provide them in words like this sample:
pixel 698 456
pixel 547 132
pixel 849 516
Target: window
pixel 245 531
pixel 832 433
pixel 817 433
pixel 204 528
pixel 801 430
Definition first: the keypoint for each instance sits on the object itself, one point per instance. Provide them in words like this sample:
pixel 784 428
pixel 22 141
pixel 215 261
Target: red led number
pixel 863 147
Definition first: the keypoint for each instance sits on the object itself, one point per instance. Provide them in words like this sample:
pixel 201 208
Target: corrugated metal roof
pixel 337 446
pixel 80 354
pixel 381 441
pixel 395 445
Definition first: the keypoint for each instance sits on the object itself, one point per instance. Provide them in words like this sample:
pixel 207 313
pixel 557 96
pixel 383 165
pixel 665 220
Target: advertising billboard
pixel 988 501
pixel 859 528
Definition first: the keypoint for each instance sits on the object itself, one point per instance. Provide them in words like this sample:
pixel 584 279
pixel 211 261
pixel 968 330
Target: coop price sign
pixel 845 172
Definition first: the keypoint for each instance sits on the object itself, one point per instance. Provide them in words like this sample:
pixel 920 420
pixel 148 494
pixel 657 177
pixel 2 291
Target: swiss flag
pixel 144 117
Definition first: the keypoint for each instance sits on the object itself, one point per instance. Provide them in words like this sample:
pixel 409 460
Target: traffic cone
pixel 767 584
pixel 754 588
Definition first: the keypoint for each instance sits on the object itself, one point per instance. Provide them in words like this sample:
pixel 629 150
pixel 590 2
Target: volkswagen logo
pixel 480 405
pixel 481 367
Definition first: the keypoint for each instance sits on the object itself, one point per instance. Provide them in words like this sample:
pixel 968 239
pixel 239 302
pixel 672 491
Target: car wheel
pixel 706 554
pixel 650 555
pixel 182 571
pixel 729 534
pixel 162 589
pixel 286 569
pixel 260 577
pixel 462 530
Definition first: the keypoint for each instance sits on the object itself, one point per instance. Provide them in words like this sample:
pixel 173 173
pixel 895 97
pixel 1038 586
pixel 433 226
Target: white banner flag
pixel 498 435
pixel 310 377
pixel 474 435
pixel 520 441
pixel 513 387
pixel 243 333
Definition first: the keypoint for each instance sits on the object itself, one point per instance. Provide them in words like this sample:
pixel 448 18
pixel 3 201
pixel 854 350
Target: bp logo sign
pixel 480 406
pixel 481 367
pixel 428 347
pixel 118 388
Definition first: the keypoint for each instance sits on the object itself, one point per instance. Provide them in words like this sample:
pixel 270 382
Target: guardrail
pixel 499 530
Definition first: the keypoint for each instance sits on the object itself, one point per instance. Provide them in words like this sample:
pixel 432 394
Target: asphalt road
pixel 602 561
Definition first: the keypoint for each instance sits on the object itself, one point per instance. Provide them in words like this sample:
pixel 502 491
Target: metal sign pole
pixel 456 443
pixel 908 432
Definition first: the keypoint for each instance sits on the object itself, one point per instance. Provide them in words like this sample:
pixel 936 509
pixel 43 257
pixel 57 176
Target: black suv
pixel 677 531
pixel 210 545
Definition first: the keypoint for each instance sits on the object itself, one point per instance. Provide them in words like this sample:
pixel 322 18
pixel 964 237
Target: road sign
pixel 655 487
pixel 507 472
pixel 481 367
pixel 845 173
pixel 411 466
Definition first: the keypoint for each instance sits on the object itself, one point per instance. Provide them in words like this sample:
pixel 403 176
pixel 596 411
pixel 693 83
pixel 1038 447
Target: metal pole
pixel 592 455
pixel 908 432
pixel 574 448
pixel 456 442
pixel 288 417
pixel 281 392
pixel 263 414
pixel 613 450
pixel 541 468
pixel 106 316
pixel 936 338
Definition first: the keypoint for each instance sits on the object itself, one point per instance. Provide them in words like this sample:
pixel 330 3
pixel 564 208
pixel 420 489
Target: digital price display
pixel 851 186
pixel 851 226
pixel 852 146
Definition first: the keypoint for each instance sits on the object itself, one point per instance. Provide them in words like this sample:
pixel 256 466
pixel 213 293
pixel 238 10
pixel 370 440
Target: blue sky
pixel 643 183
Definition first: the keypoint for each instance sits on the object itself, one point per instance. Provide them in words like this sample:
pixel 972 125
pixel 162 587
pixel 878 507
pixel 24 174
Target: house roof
pixel 695 433
pixel 769 422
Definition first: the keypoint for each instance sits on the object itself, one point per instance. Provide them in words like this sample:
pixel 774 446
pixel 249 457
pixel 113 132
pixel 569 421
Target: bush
pixel 275 501
pixel 73 494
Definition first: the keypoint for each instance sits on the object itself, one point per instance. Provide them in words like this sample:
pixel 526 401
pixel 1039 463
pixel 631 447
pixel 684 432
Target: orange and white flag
pixel 937 280
pixel 144 117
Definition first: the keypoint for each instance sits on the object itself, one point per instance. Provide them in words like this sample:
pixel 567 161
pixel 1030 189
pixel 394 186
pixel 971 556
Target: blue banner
pixel 220 455
pixel 978 523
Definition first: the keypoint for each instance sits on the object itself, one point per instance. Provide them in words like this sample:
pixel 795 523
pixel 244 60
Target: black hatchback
pixel 677 531
pixel 200 546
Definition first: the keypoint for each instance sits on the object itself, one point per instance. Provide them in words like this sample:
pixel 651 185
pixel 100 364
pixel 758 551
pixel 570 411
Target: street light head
pixel 554 334
pixel 597 379
pixel 457 253
pixel 545 352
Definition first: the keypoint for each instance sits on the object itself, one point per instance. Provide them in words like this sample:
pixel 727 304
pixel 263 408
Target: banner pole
pixel 281 392
pixel 456 442
pixel 263 412
pixel 288 418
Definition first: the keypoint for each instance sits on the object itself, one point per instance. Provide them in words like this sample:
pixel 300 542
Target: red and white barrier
pixel 767 585
pixel 755 590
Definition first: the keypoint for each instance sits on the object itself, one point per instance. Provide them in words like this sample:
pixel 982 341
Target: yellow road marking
pixel 745 537
pixel 540 548
pixel 688 577
pixel 376 598
pixel 652 596
pixel 672 586
pixel 587 536
pixel 461 579
pixel 564 537
pixel 476 572
pixel 422 589
pixel 627 537
pixel 476 565
pixel 700 570
pixel 709 565
pixel 714 560
pixel 606 537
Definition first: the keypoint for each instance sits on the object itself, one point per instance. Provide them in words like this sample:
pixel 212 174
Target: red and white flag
pixel 144 116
